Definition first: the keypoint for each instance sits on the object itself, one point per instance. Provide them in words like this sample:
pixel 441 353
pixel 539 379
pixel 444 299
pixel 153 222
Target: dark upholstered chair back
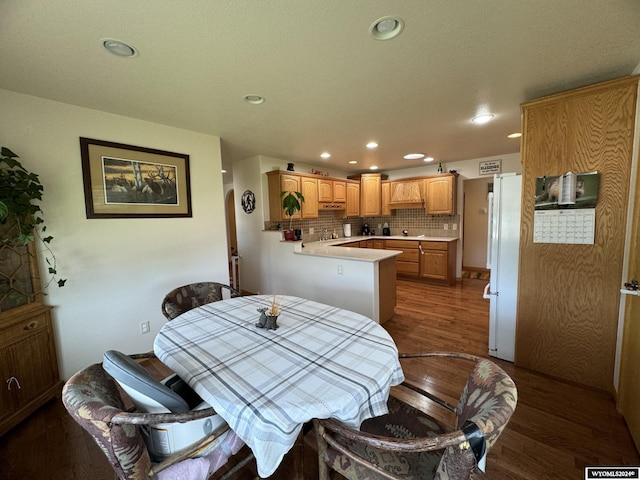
pixel 186 297
pixel 409 444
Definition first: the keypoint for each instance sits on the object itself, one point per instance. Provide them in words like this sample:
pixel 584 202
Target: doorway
pixel 232 240
pixel 475 225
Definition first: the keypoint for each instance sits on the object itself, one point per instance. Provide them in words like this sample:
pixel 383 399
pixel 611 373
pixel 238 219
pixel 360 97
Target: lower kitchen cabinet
pixel 28 364
pixel 408 262
pixel 438 261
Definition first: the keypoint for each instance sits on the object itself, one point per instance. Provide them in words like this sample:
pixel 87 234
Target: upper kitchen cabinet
pixel 440 194
pixel 353 199
pixel 309 190
pixel 370 193
pixel 386 197
pixel 332 191
pixel 280 181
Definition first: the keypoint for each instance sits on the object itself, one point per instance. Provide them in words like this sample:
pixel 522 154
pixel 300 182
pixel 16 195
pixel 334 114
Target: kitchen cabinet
pixel 438 261
pixel 353 199
pixel 309 190
pixel 370 194
pixel 440 193
pixel 407 193
pixel 408 262
pixel 386 197
pixel 332 191
pixel 281 182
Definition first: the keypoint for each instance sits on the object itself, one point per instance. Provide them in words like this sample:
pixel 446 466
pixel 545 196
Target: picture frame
pixel 127 181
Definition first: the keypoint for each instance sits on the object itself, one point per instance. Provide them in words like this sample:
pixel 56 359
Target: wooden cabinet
pixel 406 193
pixel 309 190
pixel 440 193
pixel 437 261
pixel 281 182
pixel 353 199
pixel 370 194
pixel 28 363
pixel 332 191
pixel 408 262
pixel 386 197
pixel 339 191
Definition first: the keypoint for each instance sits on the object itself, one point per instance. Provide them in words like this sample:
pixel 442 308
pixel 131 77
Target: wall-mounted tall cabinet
pixel 569 295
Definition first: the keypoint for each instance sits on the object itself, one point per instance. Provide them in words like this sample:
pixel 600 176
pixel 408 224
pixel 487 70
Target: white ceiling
pixel 328 85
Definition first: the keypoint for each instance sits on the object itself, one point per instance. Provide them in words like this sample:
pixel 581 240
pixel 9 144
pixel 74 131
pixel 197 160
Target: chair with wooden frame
pixel 408 443
pixel 94 401
pixel 192 295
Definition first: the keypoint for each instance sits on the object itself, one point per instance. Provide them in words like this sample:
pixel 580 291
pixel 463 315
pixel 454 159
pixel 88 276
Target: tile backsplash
pixel 413 220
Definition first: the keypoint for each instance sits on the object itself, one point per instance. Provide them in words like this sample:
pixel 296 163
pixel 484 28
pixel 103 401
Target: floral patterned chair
pixel 186 297
pixel 93 400
pixel 409 444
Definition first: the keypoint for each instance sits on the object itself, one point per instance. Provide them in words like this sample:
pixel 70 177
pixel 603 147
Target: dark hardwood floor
pixel 556 430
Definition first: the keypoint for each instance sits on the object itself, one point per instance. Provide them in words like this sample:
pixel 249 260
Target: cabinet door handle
pixel 420 248
pixel 30 325
pixel 10 380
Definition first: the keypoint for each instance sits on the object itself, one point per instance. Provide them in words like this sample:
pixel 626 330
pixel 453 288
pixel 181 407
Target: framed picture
pixel 125 181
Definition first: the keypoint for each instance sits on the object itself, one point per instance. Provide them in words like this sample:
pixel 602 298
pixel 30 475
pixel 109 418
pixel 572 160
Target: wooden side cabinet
pixel 28 363
pixel 353 199
pixel 408 262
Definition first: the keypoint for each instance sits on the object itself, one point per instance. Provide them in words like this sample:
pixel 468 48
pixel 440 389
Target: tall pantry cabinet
pixel 569 295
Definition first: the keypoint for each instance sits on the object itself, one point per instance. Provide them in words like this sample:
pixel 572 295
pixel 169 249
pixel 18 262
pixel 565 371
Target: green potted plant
pixel 20 217
pixel 291 203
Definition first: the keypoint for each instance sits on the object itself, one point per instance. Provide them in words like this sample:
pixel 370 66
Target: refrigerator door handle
pixel 486 294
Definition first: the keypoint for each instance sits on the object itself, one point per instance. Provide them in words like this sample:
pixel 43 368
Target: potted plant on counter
pixel 291 203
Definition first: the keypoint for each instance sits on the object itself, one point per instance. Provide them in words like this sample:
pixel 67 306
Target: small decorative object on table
pixel 269 315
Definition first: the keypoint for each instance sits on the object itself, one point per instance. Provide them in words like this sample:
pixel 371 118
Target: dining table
pixel 321 362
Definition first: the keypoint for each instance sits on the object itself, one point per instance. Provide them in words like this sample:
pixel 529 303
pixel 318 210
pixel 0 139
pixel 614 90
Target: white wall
pixel 118 270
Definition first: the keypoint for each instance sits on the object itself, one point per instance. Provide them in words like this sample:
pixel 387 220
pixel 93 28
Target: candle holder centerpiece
pixel 269 315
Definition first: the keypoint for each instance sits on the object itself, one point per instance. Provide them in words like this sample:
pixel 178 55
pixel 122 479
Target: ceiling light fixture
pixel 429 159
pixel 372 145
pixel 413 156
pixel 482 119
pixel 118 48
pixel 325 155
pixel 224 171
pixel 386 28
pixel 514 135
pixel 353 162
pixel 373 167
pixel 254 99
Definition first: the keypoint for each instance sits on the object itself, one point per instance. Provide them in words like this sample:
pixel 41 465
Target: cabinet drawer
pixel 409 256
pixel 407 268
pixel 401 244
pixel 23 328
pixel 434 245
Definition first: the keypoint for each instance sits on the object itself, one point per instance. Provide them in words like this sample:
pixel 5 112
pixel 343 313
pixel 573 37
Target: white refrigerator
pixel 503 244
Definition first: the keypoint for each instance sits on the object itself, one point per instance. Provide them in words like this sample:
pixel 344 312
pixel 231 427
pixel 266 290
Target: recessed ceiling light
pixel 119 48
pixel 353 162
pixel 254 99
pixel 413 156
pixel 224 171
pixel 372 145
pixel 325 155
pixel 386 28
pixel 373 167
pixel 514 135
pixel 481 119
pixel 429 159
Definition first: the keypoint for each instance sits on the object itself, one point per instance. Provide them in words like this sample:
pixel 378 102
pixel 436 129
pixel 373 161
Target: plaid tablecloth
pixel 321 362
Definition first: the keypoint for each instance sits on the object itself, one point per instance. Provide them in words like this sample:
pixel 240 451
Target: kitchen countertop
pixel 332 248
